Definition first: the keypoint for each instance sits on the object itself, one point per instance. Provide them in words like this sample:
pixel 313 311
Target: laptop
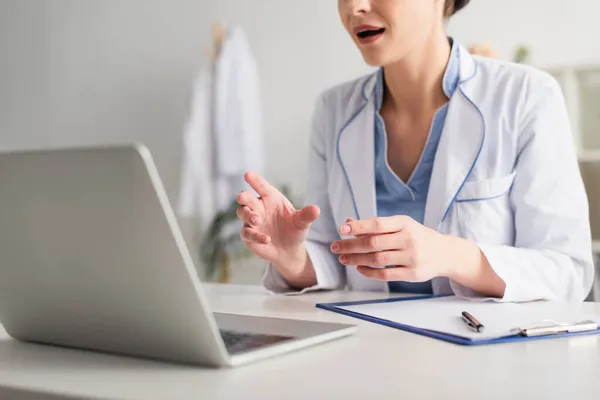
pixel 91 257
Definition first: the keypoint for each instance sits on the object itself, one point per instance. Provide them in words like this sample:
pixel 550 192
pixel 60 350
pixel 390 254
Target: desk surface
pixel 377 362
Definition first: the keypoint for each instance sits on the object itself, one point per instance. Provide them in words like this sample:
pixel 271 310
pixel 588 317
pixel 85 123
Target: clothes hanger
pixel 218 39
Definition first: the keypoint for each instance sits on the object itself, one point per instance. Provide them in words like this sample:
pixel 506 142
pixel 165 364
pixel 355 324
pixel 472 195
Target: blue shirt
pixel 395 197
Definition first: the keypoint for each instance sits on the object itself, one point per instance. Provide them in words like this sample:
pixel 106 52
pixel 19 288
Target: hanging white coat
pixel 224 134
pixel 505 176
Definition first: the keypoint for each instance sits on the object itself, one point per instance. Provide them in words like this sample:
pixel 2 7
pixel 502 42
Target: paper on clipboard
pixel 443 314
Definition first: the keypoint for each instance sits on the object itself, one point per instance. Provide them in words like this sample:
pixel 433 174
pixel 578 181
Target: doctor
pixel 456 173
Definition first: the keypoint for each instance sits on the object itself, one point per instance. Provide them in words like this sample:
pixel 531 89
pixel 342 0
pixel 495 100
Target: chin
pixel 374 60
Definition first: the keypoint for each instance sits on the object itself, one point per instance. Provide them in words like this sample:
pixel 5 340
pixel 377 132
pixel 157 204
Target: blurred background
pixel 88 72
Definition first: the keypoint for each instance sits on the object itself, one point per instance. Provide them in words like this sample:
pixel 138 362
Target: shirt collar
pixel 450 80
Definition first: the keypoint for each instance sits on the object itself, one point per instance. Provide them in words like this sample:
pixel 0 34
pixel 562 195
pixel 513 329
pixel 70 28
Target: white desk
pixel 376 363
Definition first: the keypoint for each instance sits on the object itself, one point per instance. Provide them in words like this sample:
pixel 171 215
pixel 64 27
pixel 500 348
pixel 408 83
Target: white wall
pixel 98 71
pixel 85 72
pixel 558 32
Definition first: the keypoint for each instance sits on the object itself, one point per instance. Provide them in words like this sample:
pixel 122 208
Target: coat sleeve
pixel 330 273
pixel 552 258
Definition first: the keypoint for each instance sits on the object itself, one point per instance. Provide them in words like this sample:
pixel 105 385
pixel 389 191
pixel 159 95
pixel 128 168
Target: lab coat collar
pixel 459 148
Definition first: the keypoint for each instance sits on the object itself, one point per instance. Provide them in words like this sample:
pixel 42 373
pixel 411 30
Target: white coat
pixel 224 134
pixel 505 176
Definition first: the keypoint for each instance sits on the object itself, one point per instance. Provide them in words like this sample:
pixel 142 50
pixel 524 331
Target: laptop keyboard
pixel 237 342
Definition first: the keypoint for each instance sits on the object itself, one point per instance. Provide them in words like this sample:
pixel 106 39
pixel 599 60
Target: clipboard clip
pixel 555 328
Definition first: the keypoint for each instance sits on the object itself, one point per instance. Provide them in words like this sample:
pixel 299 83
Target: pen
pixel 472 322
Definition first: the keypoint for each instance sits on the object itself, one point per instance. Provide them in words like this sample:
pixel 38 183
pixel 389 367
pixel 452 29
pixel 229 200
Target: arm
pixel 320 268
pixel 552 256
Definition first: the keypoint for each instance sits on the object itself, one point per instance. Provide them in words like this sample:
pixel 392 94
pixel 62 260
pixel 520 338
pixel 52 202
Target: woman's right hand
pixel 273 229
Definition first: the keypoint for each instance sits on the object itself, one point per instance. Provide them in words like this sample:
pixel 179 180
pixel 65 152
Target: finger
pixel 251 235
pixel 350 220
pixel 304 218
pixel 260 184
pixel 375 225
pixel 248 216
pixel 388 274
pixel 376 259
pixel 370 244
pixel 246 198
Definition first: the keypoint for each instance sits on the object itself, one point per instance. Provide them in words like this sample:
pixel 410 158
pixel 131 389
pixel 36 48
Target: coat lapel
pixel 356 152
pixel 459 148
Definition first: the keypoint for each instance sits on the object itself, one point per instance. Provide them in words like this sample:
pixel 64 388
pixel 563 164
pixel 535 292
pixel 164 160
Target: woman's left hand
pixel 418 253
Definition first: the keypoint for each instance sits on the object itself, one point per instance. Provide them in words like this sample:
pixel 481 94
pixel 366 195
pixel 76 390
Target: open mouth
pixel 370 33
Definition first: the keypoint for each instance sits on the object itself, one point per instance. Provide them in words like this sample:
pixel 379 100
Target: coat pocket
pixel 484 212
pixel 486 189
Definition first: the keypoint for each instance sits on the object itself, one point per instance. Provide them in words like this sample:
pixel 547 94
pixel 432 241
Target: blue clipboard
pixel 334 307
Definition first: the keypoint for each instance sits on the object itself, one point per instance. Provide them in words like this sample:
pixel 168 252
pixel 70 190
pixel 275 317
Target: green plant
pixel 218 246
pixel 521 55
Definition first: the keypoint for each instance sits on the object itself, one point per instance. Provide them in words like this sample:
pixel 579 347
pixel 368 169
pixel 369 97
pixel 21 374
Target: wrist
pixel 464 259
pixel 291 261
pixel 296 268
pixel 470 268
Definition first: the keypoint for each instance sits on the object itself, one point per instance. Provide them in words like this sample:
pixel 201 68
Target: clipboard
pixel 519 334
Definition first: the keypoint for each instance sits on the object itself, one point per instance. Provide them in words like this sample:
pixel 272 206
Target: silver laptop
pixel 91 257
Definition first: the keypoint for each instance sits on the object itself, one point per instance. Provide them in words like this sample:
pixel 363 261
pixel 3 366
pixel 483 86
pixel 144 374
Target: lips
pixel 368 33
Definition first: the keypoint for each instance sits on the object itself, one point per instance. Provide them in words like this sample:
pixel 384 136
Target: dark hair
pixel 453 6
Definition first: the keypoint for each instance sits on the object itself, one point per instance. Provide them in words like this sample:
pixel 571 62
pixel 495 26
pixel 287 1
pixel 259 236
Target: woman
pixel 455 173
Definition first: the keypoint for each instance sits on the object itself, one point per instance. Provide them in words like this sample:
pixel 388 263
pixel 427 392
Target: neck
pixel 414 84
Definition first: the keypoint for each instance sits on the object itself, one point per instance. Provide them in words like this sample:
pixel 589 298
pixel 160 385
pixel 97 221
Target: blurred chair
pixel 590 171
